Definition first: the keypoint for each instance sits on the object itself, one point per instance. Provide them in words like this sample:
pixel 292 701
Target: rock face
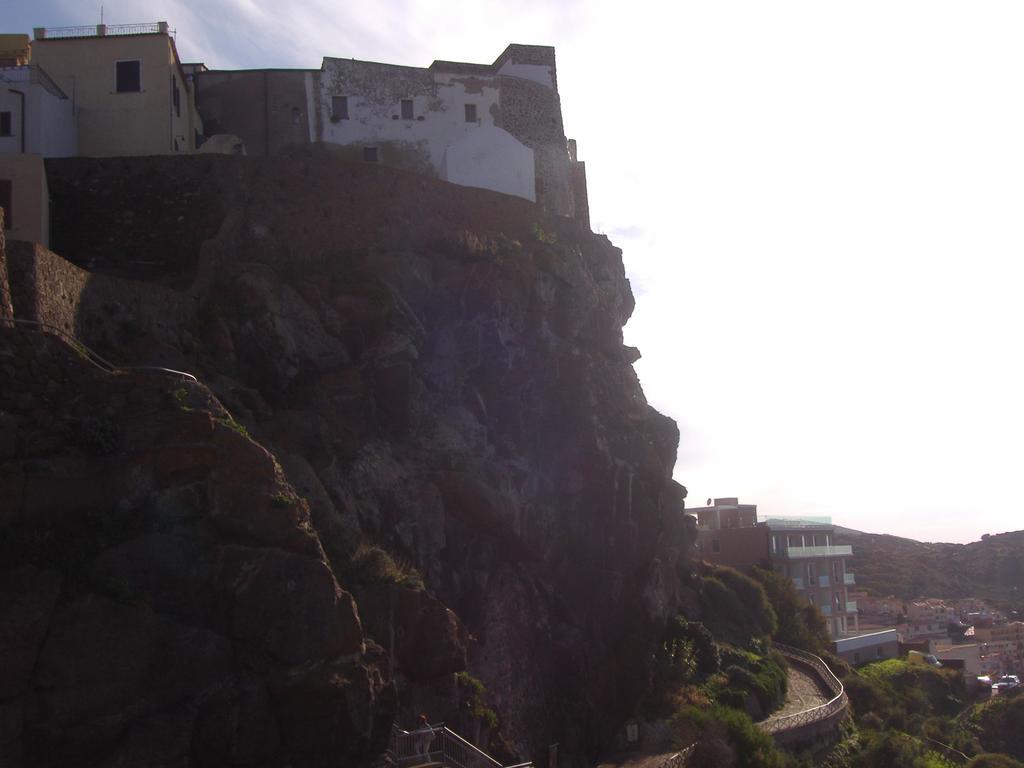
pixel 160 579
pixel 461 446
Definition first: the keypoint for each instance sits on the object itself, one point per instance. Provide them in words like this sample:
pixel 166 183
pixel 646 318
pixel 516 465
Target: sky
pixel 821 208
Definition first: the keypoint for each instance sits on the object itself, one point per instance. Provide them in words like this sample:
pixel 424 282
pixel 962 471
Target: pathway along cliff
pixel 419 474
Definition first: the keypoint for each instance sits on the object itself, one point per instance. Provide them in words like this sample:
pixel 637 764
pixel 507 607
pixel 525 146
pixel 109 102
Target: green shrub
pixel 735 607
pixel 372 565
pixel 997 724
pixel 799 623
pixel 724 737
pixel 472 692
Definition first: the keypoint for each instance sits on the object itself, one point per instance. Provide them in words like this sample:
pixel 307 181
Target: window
pixel 339 107
pixel 370 155
pixel 407 109
pixel 6 197
pixel 471 113
pixel 175 96
pixel 128 76
pixel 5 124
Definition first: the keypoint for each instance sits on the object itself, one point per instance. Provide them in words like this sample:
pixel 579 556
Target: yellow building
pixel 130 93
pixel 15 50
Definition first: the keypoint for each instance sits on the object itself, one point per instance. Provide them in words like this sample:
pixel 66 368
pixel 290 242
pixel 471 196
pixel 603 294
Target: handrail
pixel 815 714
pixel 109 30
pixel 950 752
pixel 94 357
pixel 439 744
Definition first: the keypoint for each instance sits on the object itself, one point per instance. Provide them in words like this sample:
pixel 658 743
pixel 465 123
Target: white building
pixel 493 126
pixel 36 116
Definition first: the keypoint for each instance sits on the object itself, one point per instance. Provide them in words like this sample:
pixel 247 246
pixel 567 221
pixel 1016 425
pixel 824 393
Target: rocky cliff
pixel 417 471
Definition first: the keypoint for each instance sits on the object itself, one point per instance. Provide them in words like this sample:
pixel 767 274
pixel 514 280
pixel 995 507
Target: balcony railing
pixel 851 606
pixel 839 550
pixel 848 578
pixel 100 30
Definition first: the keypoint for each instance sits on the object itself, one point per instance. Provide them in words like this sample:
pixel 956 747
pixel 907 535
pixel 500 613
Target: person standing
pixel 424 736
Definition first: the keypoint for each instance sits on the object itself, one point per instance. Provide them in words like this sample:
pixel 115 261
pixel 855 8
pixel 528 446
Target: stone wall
pixel 6 311
pixel 266 108
pixel 146 202
pixel 105 312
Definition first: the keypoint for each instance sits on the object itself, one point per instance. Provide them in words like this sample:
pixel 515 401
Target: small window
pixel 407 109
pixel 471 113
pixel 339 107
pixel 370 155
pixel 175 96
pixel 6 197
pixel 5 124
pixel 129 76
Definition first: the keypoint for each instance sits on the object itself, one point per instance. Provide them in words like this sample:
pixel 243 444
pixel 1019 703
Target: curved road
pixel 803 692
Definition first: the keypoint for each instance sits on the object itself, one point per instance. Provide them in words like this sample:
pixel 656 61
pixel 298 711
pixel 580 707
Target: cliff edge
pixel 417 472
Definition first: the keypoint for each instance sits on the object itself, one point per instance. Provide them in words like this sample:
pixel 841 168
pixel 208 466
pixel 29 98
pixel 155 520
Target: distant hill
pixel 992 568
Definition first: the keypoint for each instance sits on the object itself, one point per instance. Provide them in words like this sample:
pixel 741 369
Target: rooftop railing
pixel 101 30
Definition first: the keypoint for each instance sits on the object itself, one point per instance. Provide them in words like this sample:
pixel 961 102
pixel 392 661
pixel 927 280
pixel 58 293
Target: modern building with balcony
pixel 804 549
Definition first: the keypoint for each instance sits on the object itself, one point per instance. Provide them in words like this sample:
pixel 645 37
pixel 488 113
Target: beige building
pixel 25 198
pixel 130 93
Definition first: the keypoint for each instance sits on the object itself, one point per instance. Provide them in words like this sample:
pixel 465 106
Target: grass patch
pixel 373 565
pixel 231 423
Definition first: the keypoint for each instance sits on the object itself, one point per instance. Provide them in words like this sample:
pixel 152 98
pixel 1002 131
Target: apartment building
pixel 1006 640
pixel 127 86
pixel 805 550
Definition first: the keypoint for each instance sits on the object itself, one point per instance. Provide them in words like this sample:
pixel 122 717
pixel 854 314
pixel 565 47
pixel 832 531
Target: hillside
pixel 417 473
pixel 992 568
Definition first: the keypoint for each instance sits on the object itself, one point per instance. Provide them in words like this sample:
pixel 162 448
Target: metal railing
pixel 100 30
pixel 94 357
pixel 836 705
pixel 438 744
